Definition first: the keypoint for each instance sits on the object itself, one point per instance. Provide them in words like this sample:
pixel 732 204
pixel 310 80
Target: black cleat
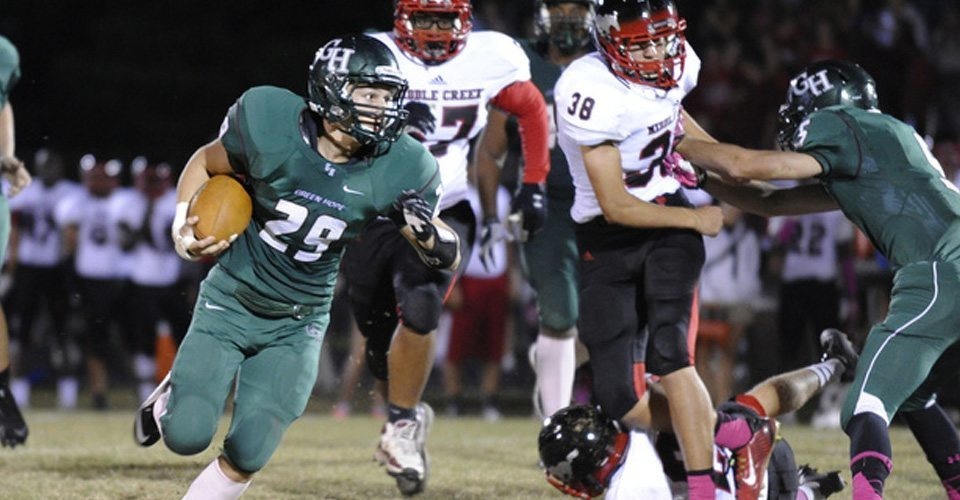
pixel 13 429
pixel 836 345
pixel 146 427
pixel 822 485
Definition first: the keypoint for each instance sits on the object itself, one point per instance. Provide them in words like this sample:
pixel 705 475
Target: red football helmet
pixel 151 179
pixel 622 25
pixel 414 22
pixel 100 177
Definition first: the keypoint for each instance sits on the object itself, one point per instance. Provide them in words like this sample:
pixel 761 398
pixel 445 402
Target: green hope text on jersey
pixel 306 208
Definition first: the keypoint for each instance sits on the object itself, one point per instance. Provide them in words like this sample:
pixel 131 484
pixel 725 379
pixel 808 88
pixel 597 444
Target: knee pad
pixel 189 428
pixel 667 349
pixel 420 308
pixel 373 320
pixel 253 440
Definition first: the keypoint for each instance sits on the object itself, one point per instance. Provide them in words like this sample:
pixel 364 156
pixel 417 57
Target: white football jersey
pixel 593 106
pixel 641 476
pixel 154 262
pixel 98 237
pixel 456 93
pixel 811 244
pixel 39 235
pixel 731 270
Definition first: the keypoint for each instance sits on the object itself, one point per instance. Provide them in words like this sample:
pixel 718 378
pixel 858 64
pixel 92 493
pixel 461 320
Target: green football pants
pixel 914 350
pixel 551 263
pixel 275 364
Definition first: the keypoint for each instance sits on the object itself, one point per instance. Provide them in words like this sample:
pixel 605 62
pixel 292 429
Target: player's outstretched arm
pixel 742 164
pixel 764 199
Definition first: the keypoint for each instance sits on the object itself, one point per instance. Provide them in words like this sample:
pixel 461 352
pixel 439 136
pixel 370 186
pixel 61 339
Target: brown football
pixel 223 206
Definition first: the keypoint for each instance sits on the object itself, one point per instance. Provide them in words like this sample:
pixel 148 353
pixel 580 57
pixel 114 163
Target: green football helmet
pixel 569 34
pixel 343 64
pixel 819 85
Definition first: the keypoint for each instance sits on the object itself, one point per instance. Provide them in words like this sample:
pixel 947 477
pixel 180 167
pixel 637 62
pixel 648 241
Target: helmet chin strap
pixel 336 143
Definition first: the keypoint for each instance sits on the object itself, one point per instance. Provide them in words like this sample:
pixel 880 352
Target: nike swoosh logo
pixel 214 307
pixel 751 478
pixel 352 191
pixel 138 432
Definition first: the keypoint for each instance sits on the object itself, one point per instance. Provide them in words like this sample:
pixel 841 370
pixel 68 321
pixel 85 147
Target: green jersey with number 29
pixel 305 208
pixel 886 181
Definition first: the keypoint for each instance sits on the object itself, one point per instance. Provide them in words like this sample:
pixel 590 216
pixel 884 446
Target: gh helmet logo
pixel 335 56
pixel 817 83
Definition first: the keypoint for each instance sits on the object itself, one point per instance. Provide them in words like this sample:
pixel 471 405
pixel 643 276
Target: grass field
pixel 87 455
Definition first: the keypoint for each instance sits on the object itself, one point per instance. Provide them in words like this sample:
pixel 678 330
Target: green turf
pixel 86 455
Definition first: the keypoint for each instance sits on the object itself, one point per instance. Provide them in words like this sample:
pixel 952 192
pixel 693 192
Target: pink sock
pixel 700 486
pixel 862 489
pixel 952 492
pixel 733 434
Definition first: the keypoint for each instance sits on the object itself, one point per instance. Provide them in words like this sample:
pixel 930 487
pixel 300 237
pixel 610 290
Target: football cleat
pixel 402 450
pixel 822 484
pixel 752 458
pixel 836 345
pixel 13 429
pixel 146 427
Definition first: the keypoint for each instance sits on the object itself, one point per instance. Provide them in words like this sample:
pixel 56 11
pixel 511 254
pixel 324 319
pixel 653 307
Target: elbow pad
pixel 446 249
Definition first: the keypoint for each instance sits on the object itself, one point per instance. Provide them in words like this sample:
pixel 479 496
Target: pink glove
pixel 678 130
pixel 681 170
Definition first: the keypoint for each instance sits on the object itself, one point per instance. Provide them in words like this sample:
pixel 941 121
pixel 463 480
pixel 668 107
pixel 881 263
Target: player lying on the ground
pixel 586 454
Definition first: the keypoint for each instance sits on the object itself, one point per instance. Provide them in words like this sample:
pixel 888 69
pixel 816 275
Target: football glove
pixel 531 204
pixel 681 170
pixel 491 232
pixel 420 121
pixel 418 215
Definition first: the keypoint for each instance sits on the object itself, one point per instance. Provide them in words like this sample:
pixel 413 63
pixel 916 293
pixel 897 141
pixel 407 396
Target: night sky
pixel 120 79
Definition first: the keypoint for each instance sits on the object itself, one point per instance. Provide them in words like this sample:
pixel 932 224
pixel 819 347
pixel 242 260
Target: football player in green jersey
pixel 13 430
pixel 882 175
pixel 563 30
pixel 318 170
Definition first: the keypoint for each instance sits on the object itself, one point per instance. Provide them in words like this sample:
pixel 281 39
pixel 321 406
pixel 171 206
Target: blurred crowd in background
pixel 97 298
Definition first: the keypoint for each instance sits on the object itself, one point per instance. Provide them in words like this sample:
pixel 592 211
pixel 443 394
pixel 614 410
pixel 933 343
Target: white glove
pixel 491 233
pixel 182 234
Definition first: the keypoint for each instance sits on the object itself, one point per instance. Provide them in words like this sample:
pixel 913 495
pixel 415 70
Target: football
pixel 223 206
